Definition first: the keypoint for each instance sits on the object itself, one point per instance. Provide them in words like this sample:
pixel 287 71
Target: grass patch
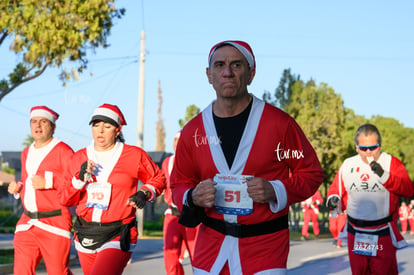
pixel 151 225
pixel 152 229
pixel 151 233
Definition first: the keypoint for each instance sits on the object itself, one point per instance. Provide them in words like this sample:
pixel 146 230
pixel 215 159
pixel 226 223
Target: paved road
pixel 305 257
pixel 320 257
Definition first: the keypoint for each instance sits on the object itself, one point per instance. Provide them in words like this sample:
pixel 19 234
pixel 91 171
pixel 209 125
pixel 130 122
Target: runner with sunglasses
pixel 368 186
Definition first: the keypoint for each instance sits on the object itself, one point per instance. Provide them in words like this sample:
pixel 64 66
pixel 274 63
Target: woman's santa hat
pixel 108 113
pixel 242 46
pixel 45 112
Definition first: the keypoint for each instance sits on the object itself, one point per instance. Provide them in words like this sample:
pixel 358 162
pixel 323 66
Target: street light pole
pixel 140 126
pixel 141 92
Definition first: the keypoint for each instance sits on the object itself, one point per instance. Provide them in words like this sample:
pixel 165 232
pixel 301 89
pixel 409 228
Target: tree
pixel 392 133
pixel 352 122
pixel 330 128
pixel 190 112
pixel 48 32
pixel 320 112
pixel 283 91
pixel 396 140
pixel 160 129
pixel 407 150
pixel 28 141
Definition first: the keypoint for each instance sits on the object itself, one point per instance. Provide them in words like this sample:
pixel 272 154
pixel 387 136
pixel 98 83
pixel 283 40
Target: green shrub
pixel 6 256
pixel 152 225
pixel 8 218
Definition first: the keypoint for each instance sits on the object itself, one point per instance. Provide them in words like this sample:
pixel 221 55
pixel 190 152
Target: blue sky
pixel 364 50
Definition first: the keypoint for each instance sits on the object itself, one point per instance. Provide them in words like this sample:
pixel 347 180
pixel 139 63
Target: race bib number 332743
pixel 366 244
pixel 231 195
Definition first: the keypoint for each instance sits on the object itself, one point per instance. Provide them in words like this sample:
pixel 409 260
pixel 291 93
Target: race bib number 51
pixel 231 195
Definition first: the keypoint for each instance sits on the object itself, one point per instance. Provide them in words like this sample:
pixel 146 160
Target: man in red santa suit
pixel 177 237
pixel 337 222
pixel 43 230
pixel 411 217
pixel 404 213
pixel 310 209
pixel 102 181
pixel 368 186
pixel 232 172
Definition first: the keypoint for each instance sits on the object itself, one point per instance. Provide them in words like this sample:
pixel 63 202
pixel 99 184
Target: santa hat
pixel 242 46
pixel 108 113
pixel 45 112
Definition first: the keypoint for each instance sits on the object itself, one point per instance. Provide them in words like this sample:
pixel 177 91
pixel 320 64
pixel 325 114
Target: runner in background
pixel 177 238
pixel 368 186
pixel 310 209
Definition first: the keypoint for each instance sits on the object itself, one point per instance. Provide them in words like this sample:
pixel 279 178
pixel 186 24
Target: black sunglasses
pixel 371 148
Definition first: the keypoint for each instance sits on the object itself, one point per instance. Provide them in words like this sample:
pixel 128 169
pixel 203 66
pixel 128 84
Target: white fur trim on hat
pixel 107 113
pixel 42 111
pixel 245 52
pixel 242 46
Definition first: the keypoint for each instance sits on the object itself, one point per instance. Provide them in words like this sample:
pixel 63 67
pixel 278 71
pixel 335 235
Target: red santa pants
pixel 336 225
pixel 385 262
pixel 108 261
pixel 308 215
pixel 175 235
pixel 34 244
pixel 404 225
pixel 411 221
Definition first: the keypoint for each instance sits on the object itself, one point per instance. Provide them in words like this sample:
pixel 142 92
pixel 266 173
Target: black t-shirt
pixel 230 131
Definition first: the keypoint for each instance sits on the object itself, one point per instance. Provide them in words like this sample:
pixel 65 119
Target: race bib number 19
pixel 99 195
pixel 231 195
